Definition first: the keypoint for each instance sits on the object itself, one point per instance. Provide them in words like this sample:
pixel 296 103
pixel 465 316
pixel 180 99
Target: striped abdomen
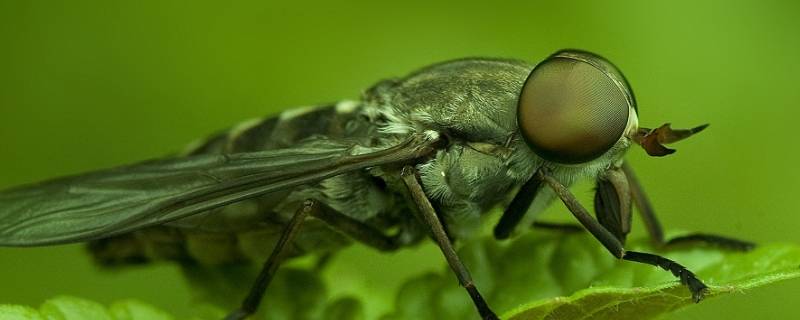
pixel 286 129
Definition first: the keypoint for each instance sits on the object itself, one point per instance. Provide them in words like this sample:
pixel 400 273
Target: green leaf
pixel 71 308
pixel 293 294
pixel 540 275
pixel 570 276
pixel 133 310
pixel 12 312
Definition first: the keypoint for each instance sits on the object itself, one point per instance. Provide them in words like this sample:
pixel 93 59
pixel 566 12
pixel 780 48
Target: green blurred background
pixel 90 84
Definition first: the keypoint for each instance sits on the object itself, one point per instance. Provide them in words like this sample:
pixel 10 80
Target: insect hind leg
pixel 253 299
pixel 713 240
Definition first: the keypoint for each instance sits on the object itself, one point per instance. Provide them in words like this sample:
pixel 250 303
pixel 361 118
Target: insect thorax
pixel 473 104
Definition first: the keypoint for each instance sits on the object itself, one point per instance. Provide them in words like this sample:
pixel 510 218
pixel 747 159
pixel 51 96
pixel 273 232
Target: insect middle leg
pixel 654 226
pixel 431 219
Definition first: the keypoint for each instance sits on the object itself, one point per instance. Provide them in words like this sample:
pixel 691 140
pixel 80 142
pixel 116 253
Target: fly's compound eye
pixel 574 107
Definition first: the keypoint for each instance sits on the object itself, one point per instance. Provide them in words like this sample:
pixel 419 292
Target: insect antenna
pixel 653 140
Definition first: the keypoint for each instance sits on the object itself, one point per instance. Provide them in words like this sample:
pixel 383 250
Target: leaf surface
pixel 544 275
pixel 570 276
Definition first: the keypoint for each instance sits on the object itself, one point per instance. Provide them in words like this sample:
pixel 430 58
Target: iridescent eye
pixel 574 107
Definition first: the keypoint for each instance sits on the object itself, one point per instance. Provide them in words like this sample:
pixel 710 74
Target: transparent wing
pixel 114 201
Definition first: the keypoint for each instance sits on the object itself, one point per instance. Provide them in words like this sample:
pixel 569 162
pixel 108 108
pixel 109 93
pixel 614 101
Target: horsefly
pixel 424 155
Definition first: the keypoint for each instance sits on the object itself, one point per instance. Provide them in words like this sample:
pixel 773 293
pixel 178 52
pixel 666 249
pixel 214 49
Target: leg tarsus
pixel 697 287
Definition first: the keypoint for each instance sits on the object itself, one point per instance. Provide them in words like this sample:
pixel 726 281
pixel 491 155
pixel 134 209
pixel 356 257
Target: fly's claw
pixel 697 287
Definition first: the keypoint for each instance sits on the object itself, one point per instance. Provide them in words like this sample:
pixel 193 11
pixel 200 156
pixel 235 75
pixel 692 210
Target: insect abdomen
pixel 284 130
pixel 208 248
pixel 184 242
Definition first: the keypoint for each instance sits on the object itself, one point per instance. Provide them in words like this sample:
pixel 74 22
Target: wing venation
pixel 119 200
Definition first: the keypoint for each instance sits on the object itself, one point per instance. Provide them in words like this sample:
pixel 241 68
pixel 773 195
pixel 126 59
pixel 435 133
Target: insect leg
pixel 563 227
pixel 645 207
pixel 355 229
pixel 518 207
pixel 253 299
pixel 612 205
pixel 712 239
pixel 654 226
pixel 431 219
pixel 614 246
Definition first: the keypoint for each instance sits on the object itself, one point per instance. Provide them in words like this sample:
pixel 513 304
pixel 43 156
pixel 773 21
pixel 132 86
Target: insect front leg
pixel 522 201
pixel 654 226
pixel 431 219
pixel 253 299
pixel 613 245
pixel 518 207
